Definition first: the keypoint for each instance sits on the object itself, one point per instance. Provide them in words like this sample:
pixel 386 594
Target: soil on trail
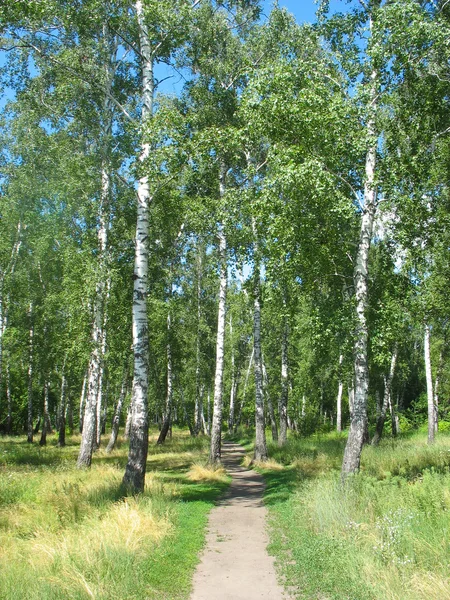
pixel 235 564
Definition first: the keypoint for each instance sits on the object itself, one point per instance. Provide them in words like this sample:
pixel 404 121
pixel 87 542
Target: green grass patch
pixel 72 535
pixel 385 535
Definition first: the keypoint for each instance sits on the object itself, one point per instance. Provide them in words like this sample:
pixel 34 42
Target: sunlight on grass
pixel 71 534
pixel 200 472
pixel 385 535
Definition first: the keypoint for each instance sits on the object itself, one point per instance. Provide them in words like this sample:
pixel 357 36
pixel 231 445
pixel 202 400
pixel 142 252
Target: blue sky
pixel 304 10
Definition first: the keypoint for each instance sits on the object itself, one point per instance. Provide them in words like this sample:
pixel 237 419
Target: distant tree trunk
pixel 386 399
pixel 436 390
pixel 273 421
pixel 118 412
pixel 62 413
pixel 185 412
pixel 30 377
pixel 198 393
pixel 169 393
pixel 134 477
pixel 9 419
pixel 70 412
pixel 233 381
pixel 209 414
pixel 429 378
pixel 283 403
pixel 260 453
pixel 247 375
pixel 126 433
pixel 46 428
pixel 83 401
pixel 339 398
pixel 216 429
pixel 101 392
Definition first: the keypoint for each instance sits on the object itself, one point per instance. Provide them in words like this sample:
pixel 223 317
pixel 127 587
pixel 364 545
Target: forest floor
pixel 235 563
pixel 67 534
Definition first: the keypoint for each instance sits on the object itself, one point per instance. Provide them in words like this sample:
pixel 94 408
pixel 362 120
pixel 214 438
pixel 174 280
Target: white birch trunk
pixel 216 429
pixel 273 421
pixel 62 413
pixel 436 391
pixel 118 412
pixel 358 426
pixel 83 400
pixel 198 395
pixel 30 377
pixel 134 477
pixel 233 381
pixel 283 404
pixel 429 378
pixel 169 392
pixel 8 400
pixel 260 453
pixel 91 416
pixel 339 398
pixel 46 427
pixel 216 424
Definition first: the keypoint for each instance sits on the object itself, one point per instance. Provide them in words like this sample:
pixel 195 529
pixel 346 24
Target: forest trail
pixel 235 564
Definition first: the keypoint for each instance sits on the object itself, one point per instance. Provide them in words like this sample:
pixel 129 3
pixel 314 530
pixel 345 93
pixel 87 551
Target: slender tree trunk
pixel 429 378
pixel 185 412
pixel 247 375
pixel 216 429
pixel 46 428
pixel 62 413
pixel 118 412
pixel 283 403
pixel 436 390
pixel 126 433
pixel 386 399
pixel 4 310
pixel 9 419
pixel 339 398
pixel 134 477
pixel 198 400
pixel 91 417
pixel 83 401
pixel 233 379
pixel 358 426
pixel 209 412
pixel 30 377
pixel 273 421
pixel 169 393
pixel 260 440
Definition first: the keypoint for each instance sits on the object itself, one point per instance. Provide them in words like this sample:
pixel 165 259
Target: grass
pixel 384 536
pixel 70 534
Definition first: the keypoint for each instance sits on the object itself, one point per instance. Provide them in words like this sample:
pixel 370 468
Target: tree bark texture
pixel 358 425
pixel 429 378
pixel 134 477
pixel 284 396
pixel 169 392
pixel 46 427
pixel 339 397
pixel 30 378
pixel 62 413
pixel 260 453
pixel 216 428
pixel 117 413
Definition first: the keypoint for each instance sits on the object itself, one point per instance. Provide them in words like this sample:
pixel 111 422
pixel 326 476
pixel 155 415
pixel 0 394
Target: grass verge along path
pixel 67 534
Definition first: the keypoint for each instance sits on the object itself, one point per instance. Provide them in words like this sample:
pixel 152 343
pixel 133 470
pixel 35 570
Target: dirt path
pixel 235 564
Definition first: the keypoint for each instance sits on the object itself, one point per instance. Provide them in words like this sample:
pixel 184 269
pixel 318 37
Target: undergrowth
pixel 72 535
pixel 385 535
